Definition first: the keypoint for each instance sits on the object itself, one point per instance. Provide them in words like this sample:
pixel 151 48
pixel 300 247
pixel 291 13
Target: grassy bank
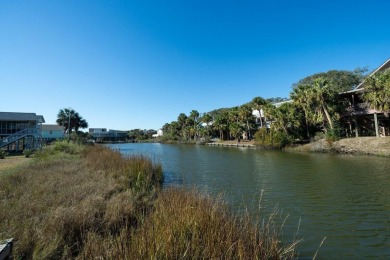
pixel 378 146
pixel 81 202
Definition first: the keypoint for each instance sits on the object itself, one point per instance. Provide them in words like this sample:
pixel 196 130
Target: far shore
pixel 376 146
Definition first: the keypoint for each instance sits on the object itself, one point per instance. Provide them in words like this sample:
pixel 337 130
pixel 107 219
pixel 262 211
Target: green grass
pixel 83 202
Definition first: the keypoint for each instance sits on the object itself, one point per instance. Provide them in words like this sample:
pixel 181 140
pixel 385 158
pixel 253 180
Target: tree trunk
pixel 307 125
pixel 328 117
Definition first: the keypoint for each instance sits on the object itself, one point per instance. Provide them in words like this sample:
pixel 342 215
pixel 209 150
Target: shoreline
pixel 373 146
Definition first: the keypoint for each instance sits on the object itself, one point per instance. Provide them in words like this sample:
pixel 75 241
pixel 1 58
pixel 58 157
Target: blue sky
pixel 138 64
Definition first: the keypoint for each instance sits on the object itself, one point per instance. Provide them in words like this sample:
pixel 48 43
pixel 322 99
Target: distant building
pixel 261 117
pixel 102 135
pixel 52 132
pixel 20 131
pixel 159 133
pixel 97 131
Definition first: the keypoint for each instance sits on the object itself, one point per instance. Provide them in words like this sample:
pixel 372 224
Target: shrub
pixel 3 154
pixel 27 153
pixel 332 135
pixel 59 147
pixel 271 138
pixel 168 137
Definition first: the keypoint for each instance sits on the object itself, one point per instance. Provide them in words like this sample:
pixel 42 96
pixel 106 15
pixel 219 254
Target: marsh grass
pixel 189 225
pixel 51 205
pixel 91 203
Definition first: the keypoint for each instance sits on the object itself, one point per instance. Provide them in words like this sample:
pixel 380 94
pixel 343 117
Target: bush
pixel 57 147
pixel 27 153
pixel 332 134
pixel 271 138
pixel 3 154
pixel 168 137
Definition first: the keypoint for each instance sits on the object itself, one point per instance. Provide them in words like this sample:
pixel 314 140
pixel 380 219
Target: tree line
pixel 314 106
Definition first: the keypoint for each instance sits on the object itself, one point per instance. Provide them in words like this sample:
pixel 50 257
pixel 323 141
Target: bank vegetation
pixel 313 111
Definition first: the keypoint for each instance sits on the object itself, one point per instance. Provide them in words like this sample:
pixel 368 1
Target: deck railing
pixel 6 249
pixel 19 135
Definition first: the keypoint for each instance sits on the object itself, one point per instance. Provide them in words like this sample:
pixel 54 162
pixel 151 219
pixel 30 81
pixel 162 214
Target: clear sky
pixel 138 64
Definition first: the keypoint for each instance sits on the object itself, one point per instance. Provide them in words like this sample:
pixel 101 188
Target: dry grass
pixel 90 203
pixel 12 161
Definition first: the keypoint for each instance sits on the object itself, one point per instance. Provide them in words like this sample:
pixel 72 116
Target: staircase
pixel 28 132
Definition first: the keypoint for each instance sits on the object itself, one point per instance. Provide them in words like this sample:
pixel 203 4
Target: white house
pixel 159 133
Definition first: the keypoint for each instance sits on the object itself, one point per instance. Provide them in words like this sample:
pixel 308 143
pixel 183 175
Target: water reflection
pixel 343 198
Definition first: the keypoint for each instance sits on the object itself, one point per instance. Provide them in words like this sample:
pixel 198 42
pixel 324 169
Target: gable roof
pixel 383 67
pixel 15 116
pixel 52 128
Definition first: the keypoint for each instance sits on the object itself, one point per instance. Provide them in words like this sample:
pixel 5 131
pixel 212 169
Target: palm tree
pixel 377 92
pixel 245 114
pixel 258 103
pixel 207 120
pixel 79 122
pixel 194 114
pixel 221 124
pixel 321 94
pixel 285 118
pixel 182 119
pixel 64 118
pixel 235 130
pixel 232 118
pixel 70 119
pixel 301 96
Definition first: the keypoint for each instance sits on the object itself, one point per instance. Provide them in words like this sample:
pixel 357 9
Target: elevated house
pixel 360 119
pixel 52 132
pixel 20 131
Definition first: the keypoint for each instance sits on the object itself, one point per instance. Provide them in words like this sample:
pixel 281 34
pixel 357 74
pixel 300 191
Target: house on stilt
pixel 360 118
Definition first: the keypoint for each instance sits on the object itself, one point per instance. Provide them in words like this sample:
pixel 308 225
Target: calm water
pixel 343 198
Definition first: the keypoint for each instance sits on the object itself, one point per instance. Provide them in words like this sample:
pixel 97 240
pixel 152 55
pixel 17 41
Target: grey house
pixel 359 118
pixel 20 131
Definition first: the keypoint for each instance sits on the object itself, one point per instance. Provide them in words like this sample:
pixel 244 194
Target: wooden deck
pixel 232 144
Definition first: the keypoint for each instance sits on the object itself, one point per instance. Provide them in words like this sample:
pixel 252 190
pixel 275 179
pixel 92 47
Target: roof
pixel 383 67
pixel 278 104
pixel 15 116
pixel 52 128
